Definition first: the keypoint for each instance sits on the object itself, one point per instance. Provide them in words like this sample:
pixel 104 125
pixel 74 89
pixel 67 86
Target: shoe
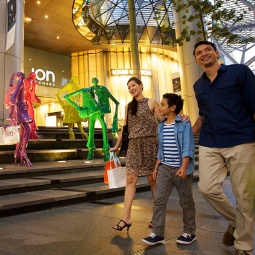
pixel 119 228
pixel 153 239
pixel 240 252
pixel 228 238
pixel 24 159
pixel 186 238
pixel 150 225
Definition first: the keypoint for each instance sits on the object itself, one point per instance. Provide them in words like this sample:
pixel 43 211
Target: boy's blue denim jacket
pixel 184 140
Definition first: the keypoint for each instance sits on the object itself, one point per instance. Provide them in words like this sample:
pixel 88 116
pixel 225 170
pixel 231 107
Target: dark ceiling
pixel 42 33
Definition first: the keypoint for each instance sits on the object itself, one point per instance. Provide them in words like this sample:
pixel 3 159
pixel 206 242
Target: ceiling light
pixel 57 37
pixel 38 2
pixel 28 19
pixel 46 16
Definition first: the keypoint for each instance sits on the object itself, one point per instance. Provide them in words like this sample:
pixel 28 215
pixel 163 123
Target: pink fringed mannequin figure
pixel 20 113
pixel 13 111
pixel 30 98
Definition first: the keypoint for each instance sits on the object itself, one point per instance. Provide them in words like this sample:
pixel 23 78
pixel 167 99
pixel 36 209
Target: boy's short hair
pixel 174 99
pixel 203 42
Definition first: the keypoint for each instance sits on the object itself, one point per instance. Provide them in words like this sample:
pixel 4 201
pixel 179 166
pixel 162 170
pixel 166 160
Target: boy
pixel 174 168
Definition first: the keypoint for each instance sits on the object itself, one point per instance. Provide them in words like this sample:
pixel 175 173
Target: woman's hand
pixel 184 117
pixel 114 149
pixel 154 174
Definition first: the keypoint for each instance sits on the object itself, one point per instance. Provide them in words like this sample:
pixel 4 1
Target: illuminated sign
pixel 130 72
pixel 46 78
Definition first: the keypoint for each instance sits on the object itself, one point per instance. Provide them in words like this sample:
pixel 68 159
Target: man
pixel 226 101
pixel 95 104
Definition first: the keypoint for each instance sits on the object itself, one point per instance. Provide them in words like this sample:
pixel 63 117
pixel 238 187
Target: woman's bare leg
pixel 128 198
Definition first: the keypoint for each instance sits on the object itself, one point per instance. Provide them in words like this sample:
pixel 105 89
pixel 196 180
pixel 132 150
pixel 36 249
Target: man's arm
pixel 197 126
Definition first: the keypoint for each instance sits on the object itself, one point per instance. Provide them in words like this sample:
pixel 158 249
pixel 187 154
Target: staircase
pixel 54 144
pixel 50 183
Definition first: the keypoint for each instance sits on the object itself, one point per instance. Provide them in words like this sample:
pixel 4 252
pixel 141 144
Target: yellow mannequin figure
pixel 71 115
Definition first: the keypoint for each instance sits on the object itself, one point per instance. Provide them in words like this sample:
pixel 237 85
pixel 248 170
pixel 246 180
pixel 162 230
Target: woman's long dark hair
pixel 132 106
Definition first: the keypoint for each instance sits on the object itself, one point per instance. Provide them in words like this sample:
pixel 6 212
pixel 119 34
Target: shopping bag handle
pixel 9 119
pixel 115 159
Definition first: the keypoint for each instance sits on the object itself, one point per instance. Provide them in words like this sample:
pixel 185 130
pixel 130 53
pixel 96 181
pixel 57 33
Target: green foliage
pixel 165 29
pixel 213 21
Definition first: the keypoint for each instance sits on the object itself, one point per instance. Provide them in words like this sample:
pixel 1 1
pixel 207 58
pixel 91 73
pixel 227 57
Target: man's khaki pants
pixel 214 163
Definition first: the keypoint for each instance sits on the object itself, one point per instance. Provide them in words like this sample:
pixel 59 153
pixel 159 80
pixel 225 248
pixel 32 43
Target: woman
pixel 142 148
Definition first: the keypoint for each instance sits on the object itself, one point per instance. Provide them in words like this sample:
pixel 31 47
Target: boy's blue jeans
pixel 166 181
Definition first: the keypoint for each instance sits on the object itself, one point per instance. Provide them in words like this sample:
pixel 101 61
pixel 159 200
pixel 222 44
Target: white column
pixel 12 60
pixel 189 70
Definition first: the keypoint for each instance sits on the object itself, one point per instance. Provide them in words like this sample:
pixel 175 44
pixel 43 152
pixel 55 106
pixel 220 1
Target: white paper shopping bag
pixel 117 177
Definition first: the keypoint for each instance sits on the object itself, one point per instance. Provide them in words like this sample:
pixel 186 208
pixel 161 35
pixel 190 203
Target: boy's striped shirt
pixel 170 149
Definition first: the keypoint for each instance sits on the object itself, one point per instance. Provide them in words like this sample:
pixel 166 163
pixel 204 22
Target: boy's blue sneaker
pixel 153 239
pixel 186 238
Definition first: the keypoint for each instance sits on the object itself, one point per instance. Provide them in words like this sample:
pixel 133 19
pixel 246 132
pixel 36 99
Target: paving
pixel 86 229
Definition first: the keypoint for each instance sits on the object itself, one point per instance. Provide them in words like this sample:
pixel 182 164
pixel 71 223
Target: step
pixel 52 144
pixel 46 155
pixel 9 171
pixel 19 185
pixel 45 199
pixel 63 133
pixel 50 185
pixel 42 155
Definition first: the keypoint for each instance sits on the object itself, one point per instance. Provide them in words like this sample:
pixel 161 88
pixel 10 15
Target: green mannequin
pixel 71 115
pixel 95 104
